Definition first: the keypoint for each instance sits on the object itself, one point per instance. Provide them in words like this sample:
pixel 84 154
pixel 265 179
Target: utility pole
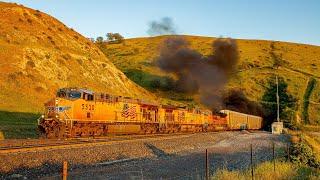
pixel 278 107
pixel 277 127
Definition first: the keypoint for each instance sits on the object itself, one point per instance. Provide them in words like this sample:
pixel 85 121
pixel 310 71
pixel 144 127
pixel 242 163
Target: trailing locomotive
pixel 78 112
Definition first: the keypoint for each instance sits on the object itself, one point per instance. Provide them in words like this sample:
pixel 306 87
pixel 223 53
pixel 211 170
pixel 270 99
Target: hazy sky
pixel 285 20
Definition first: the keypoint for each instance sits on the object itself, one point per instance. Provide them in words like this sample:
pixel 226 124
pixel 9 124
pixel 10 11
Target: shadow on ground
pixel 188 166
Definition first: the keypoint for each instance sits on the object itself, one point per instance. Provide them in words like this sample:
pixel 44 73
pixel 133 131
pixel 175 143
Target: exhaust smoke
pixel 197 73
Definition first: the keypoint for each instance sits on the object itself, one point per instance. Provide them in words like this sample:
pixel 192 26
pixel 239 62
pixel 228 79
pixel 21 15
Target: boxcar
pixel 237 120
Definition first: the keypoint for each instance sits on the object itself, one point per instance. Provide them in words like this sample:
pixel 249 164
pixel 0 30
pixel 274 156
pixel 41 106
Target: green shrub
pixel 302 154
pixel 311 85
pixel 150 81
pixel 155 83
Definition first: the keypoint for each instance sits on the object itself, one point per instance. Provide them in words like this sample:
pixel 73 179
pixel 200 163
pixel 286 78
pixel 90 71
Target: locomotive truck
pixel 76 112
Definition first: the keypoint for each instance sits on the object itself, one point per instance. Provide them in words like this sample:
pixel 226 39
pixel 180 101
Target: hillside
pixel 39 54
pixel 259 59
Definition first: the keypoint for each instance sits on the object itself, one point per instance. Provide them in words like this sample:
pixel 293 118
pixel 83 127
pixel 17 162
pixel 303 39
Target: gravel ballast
pixel 163 157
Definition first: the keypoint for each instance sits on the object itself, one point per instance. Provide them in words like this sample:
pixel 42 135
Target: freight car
pixel 78 112
pixel 238 121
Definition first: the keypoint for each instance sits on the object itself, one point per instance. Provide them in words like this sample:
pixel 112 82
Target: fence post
pixel 197 176
pixel 251 161
pixel 65 170
pixel 274 159
pixel 141 173
pixel 207 165
pixel 288 152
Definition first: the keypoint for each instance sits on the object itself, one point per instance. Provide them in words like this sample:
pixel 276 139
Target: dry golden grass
pixel 299 63
pixel 310 135
pixel 313 139
pixel 264 171
pixel 39 54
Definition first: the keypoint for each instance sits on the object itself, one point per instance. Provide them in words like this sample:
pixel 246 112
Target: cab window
pixel 61 94
pixel 74 95
pixel 88 97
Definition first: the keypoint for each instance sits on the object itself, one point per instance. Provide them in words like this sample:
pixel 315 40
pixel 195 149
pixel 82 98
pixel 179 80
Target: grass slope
pixel 18 125
pixel 39 54
pixel 259 60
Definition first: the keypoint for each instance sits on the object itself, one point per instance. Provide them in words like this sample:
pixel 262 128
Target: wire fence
pixel 192 166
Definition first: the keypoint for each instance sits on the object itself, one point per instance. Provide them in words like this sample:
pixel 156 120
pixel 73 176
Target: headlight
pixel 57 115
pixel 42 116
pixel 57 101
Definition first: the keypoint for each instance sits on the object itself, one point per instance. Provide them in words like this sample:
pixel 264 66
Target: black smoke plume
pixel 237 101
pixel 162 27
pixel 197 73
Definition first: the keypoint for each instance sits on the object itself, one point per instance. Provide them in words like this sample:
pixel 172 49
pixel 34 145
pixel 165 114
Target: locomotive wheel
pixel 84 131
pixel 105 130
pixel 99 131
pixel 153 129
pixel 61 131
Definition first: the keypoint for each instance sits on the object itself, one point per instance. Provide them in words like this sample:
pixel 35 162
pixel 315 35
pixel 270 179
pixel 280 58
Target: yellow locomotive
pixel 76 112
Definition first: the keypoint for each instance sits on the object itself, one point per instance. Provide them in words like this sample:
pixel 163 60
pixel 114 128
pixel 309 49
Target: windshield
pixel 61 94
pixel 74 94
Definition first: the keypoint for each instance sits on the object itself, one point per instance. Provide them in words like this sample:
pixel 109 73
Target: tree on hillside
pixel 91 39
pixel 287 104
pixel 99 40
pixel 114 38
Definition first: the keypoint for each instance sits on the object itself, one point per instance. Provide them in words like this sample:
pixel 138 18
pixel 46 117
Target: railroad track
pixel 80 142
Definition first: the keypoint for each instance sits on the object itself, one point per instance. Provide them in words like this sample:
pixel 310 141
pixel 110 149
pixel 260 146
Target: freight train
pixel 76 112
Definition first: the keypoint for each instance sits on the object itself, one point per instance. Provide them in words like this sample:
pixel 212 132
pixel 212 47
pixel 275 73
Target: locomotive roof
pixel 77 89
pixel 169 106
pixel 225 111
pixel 139 101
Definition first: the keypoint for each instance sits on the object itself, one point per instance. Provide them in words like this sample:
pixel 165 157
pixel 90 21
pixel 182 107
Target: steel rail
pixel 89 142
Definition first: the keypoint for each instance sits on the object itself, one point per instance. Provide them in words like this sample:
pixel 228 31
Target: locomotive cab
pixel 60 109
pixel 63 101
pixel 69 94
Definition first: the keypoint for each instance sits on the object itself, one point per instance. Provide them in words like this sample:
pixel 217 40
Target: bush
pixel 302 154
pixel 167 84
pixel 305 113
pixel 155 83
pixel 114 38
pixel 31 64
pixel 99 40
pixel 150 81
pixel 38 13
